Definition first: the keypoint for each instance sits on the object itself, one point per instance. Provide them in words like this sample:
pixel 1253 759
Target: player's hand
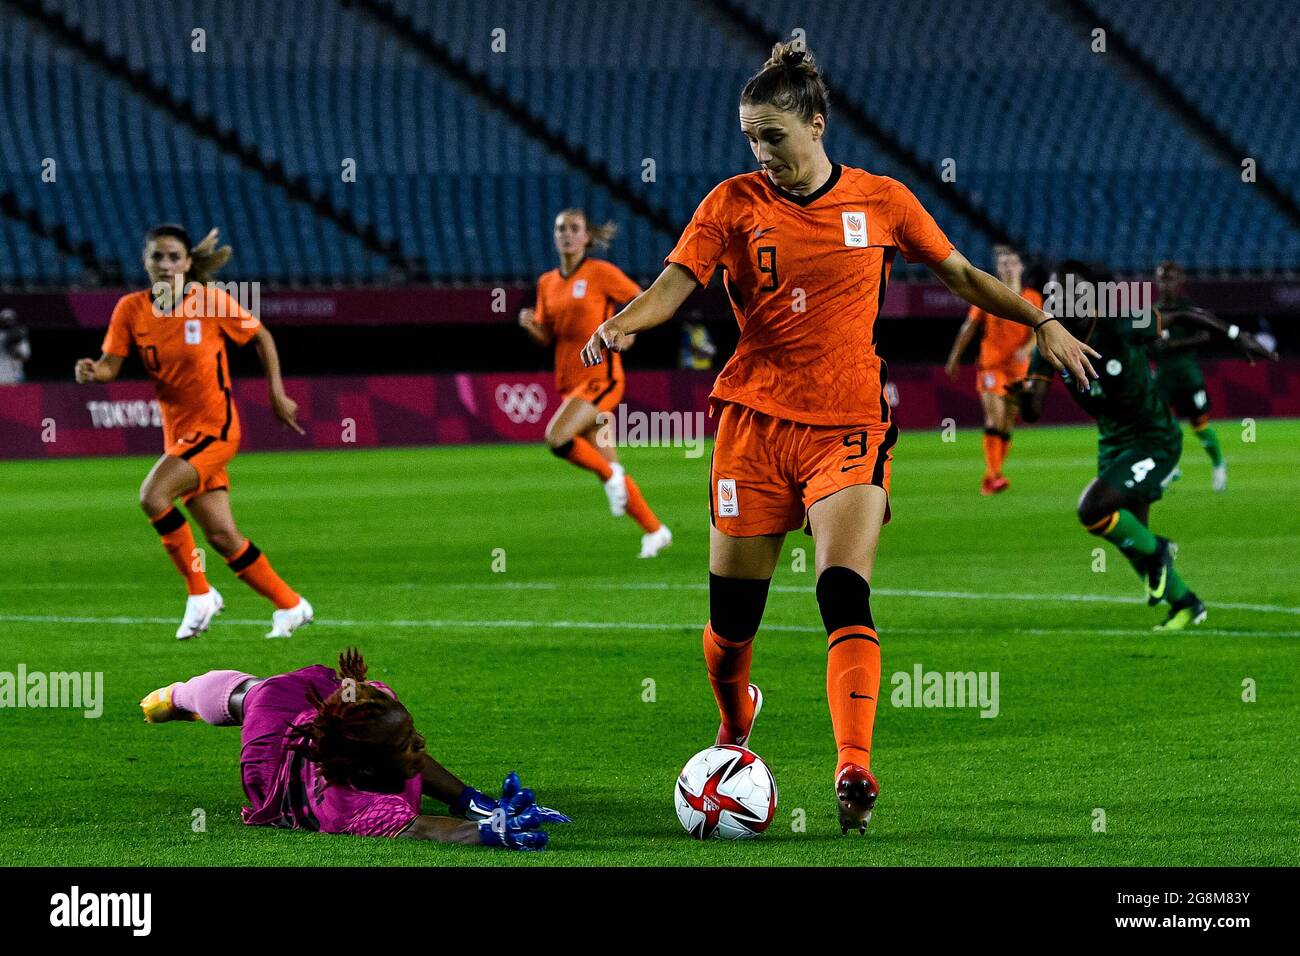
pixel 528 318
pixel 515 794
pixel 607 336
pixel 479 806
pixel 1064 351
pixel 85 371
pixel 1254 349
pixel 286 409
pixel 511 833
pixel 950 368
pixel 516 822
pixel 476 805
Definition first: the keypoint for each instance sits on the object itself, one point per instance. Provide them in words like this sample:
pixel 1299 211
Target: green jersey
pixel 1176 370
pixel 1128 407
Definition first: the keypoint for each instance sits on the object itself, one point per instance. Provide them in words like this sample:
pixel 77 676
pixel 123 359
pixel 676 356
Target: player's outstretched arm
pixel 284 407
pixel 475 805
pixel 511 832
pixel 103 369
pixel 441 784
pixel 1186 343
pixel 443 830
pixel 1249 345
pixel 980 289
pixel 513 824
pixel 655 306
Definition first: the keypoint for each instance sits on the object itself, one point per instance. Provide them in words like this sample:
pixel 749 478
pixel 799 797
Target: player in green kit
pixel 1178 375
pixel 1139 442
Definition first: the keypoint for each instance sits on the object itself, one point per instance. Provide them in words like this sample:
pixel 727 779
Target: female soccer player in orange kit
pixel 571 301
pixel 1005 348
pixel 180 327
pixel 804 431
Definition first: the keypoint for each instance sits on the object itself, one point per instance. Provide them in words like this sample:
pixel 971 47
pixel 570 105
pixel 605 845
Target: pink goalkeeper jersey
pixel 286 789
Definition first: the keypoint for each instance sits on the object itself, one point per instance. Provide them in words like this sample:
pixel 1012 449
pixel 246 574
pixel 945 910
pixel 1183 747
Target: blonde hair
pixel 208 258
pixel 598 237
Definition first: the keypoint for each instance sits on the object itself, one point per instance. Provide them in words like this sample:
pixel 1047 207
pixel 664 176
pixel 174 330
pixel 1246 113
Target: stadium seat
pixel 1057 144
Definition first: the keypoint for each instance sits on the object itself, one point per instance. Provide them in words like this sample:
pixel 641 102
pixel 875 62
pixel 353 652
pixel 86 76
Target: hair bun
pixel 791 55
pixel 790 81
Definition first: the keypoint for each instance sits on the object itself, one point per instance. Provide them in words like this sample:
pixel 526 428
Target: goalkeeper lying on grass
pixel 339 754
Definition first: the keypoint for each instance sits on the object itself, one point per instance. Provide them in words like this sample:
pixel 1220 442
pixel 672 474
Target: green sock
pixel 1175 587
pixel 1210 442
pixel 1131 536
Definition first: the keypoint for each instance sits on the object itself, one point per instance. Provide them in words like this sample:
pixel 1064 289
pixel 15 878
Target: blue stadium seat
pixel 1054 141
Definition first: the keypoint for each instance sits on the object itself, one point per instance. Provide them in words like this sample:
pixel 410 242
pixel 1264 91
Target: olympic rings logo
pixel 521 403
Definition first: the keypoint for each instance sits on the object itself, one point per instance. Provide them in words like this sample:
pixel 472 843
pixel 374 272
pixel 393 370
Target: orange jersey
pixel 1002 338
pixel 806 276
pixel 572 307
pixel 185 355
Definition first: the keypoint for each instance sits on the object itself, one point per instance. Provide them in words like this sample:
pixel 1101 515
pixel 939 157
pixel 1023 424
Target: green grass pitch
pixel 544 668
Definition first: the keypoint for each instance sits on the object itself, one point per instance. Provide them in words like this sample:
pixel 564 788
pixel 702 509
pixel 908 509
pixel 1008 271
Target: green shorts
pixel 1144 472
pixel 1190 402
pixel 1182 386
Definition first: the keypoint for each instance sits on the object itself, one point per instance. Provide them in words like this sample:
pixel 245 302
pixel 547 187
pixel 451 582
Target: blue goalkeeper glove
pixel 474 805
pixel 513 790
pixel 509 832
pixel 515 825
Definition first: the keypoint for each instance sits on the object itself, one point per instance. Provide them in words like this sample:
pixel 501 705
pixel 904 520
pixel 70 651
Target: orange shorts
pixel 209 455
pixel 604 393
pixel 996 378
pixel 767 472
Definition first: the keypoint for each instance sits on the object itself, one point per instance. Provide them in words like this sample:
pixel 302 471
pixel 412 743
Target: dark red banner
pixel 65 419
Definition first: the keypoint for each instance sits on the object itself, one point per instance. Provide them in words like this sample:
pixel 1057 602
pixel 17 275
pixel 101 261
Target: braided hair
pixel 359 735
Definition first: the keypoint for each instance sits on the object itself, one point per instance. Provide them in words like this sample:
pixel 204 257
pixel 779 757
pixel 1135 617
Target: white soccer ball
pixel 726 793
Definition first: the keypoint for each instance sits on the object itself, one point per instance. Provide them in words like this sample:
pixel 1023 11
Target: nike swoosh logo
pixel 1159 590
pixel 857 696
pixel 851 467
pixel 760 233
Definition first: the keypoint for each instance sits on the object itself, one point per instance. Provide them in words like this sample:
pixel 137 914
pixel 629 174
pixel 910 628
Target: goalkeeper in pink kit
pixel 336 753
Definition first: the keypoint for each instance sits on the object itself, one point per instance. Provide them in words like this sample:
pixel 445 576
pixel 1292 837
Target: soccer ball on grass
pixel 725 793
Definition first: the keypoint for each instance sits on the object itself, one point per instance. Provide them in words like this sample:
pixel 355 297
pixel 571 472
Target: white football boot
pixel 200 609
pixel 284 622
pixel 1219 479
pixel 655 541
pixel 616 490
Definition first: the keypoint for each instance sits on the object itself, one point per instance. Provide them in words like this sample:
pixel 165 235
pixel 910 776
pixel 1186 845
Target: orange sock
pixel 638 509
pixel 178 539
pixel 584 454
pixel 990 454
pixel 852 686
pixel 728 664
pixel 251 567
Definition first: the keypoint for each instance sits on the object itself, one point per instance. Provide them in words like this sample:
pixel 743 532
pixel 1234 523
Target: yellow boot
pixel 158 707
